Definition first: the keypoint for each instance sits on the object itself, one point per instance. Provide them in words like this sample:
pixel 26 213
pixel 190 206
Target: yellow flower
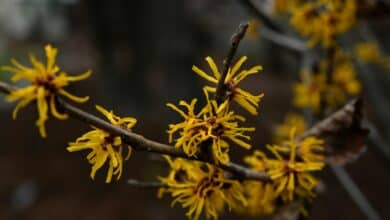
pixel 343 83
pixel 208 130
pixel 311 149
pixel 201 188
pixel 307 93
pixel 254 28
pixel 104 146
pixel 47 81
pixel 282 6
pixel 290 176
pixel 291 120
pixel 304 18
pixel 257 161
pixel 317 92
pixel 233 78
pixel 323 20
pixel 260 199
pixel 367 52
pixel 293 176
pixel 260 195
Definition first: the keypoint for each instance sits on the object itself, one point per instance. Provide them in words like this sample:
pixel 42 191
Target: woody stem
pixel 220 94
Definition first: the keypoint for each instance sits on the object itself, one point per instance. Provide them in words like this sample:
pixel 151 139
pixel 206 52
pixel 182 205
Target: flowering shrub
pixel 202 177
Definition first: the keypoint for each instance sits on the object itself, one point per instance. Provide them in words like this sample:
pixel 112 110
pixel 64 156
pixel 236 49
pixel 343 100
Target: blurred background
pixel 141 53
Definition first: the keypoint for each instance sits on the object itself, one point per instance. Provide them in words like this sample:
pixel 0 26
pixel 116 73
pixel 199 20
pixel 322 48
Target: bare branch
pixel 379 144
pixel 6 88
pixel 248 4
pixel 356 194
pixel 284 40
pixel 138 142
pixel 272 32
pixel 220 94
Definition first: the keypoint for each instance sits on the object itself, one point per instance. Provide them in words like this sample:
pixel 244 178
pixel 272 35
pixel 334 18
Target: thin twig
pixel 223 88
pixel 145 185
pixel 251 7
pixel 272 32
pixel 138 142
pixel 141 143
pixel 355 193
pixel 379 144
pixel 284 40
pixel 6 88
pixel 220 94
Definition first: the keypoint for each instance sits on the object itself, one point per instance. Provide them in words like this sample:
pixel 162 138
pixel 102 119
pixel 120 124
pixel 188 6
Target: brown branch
pixel 330 55
pixel 328 129
pixel 284 40
pixel 220 94
pixel 272 32
pixel 251 7
pixel 138 142
pixel 324 129
pixel 356 194
pixel 6 88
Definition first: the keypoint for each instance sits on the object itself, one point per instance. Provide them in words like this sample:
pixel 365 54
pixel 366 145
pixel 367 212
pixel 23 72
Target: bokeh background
pixel 141 53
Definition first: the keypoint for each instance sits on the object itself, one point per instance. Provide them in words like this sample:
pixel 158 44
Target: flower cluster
pixel 45 82
pixel 260 198
pixel 291 120
pixel 208 130
pixel 343 82
pixel 260 195
pixel 308 92
pixel 291 169
pixel 201 188
pixel 319 89
pixel 321 20
pixel 105 146
pixel 206 134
